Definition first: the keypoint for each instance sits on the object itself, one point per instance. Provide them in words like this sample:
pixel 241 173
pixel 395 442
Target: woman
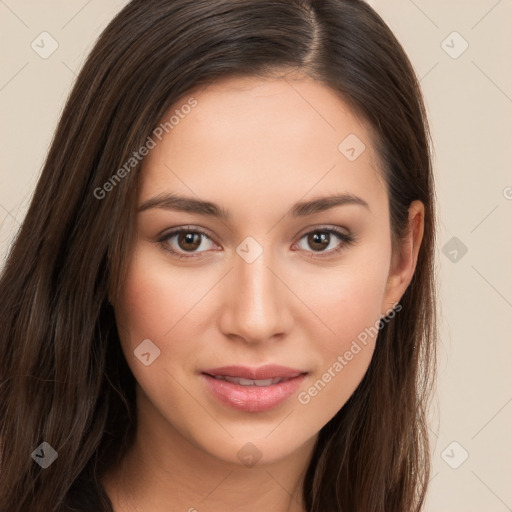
pixel 222 295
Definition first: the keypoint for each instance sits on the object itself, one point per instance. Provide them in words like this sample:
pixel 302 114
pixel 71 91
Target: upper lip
pixel 270 371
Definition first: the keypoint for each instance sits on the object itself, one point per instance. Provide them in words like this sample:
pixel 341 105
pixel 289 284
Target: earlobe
pixel 404 259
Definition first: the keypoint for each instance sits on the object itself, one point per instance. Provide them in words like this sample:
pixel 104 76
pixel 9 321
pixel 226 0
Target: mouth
pixel 260 374
pixel 249 382
pixel 253 389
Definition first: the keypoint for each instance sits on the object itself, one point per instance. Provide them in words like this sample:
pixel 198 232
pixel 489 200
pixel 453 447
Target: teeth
pixel 249 382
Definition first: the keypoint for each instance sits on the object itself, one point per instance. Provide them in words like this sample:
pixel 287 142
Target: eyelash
pixel 347 240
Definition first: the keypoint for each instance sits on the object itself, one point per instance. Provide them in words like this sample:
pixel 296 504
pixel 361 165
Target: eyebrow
pixel 300 209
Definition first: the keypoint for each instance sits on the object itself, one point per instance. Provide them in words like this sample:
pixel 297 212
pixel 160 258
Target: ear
pixel 404 258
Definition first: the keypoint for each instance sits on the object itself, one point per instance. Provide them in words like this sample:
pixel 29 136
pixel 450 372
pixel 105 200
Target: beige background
pixel 469 99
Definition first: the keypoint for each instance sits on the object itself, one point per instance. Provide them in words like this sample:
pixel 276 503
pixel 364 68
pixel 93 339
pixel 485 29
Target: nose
pixel 255 303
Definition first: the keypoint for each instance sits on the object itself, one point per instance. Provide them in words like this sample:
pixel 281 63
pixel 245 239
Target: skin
pixel 255 147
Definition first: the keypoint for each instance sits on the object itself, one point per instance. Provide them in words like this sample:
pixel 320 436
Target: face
pixel 257 276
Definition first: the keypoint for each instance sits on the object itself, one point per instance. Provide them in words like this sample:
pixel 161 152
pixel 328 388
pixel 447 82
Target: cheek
pixel 350 305
pixel 147 297
pixel 348 299
pixel 156 296
pixel 154 306
pixel 342 361
pixel 355 303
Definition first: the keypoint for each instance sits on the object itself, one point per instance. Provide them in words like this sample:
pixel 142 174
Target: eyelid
pixel 324 227
pixel 164 235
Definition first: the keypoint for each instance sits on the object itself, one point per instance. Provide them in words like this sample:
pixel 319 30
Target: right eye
pixel 181 241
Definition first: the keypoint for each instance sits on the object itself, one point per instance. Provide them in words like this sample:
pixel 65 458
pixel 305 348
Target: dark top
pixel 84 497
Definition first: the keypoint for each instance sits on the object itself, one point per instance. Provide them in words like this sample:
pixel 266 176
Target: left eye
pixel 320 240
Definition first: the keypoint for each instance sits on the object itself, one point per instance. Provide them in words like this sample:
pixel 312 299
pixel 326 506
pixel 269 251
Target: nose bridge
pixel 255 304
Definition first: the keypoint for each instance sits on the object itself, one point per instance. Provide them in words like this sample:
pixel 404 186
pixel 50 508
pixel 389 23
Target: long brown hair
pixel 63 376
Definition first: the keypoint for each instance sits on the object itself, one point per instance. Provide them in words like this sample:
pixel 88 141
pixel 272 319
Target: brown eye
pixel 182 241
pixel 189 241
pixel 326 242
pixel 318 240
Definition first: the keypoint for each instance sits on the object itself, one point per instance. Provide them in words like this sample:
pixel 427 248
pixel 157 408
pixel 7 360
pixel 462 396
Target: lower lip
pixel 252 398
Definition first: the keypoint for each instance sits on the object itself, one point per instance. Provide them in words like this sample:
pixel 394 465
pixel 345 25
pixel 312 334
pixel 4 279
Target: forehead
pixel 258 136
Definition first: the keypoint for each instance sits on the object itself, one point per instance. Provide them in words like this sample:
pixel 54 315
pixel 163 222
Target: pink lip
pixel 253 398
